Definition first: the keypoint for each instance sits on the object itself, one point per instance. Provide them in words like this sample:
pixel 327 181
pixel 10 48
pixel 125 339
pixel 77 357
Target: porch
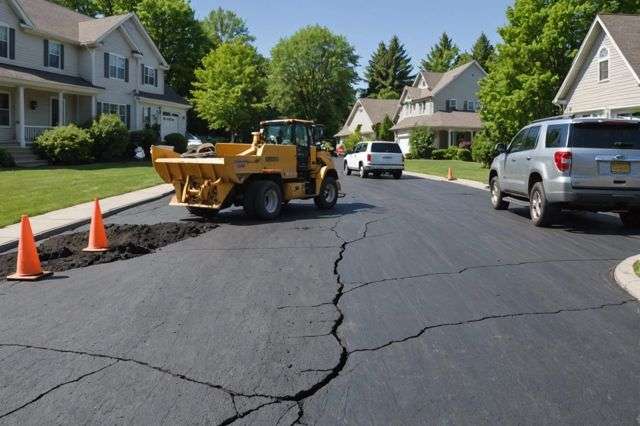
pixel 444 138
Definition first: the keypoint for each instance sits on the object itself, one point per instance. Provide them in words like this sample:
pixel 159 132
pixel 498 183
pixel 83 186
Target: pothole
pixel 64 252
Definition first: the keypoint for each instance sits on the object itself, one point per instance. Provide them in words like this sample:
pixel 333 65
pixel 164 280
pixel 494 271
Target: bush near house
pixel 177 141
pixel 6 160
pixel 144 138
pixel 110 138
pixel 483 150
pixel 421 143
pixel 65 145
pixel 464 155
pixel 352 140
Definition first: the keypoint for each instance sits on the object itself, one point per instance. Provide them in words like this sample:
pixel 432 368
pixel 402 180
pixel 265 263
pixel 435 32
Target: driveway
pixel 412 302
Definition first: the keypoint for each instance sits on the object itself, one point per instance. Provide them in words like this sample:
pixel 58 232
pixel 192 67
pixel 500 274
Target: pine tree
pixel 443 56
pixel 389 70
pixel 482 50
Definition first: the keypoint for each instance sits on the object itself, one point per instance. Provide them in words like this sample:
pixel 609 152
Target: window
pixel 386 148
pixel 517 144
pixel 605 136
pixel 118 109
pixel 531 139
pixel 451 104
pixel 5 119
pixel 4 41
pixel 55 54
pixel 557 136
pixel 149 76
pixel 146 116
pixel 116 67
pixel 603 64
pixel 302 135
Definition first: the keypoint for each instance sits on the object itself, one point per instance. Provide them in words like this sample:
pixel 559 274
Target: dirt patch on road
pixel 64 252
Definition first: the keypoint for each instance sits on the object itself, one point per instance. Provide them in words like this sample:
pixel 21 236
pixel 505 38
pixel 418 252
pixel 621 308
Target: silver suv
pixel 571 163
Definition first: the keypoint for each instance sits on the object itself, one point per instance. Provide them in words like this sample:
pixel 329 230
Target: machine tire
pixel 202 212
pixel 328 196
pixel 250 199
pixel 346 170
pixel 363 173
pixel 267 200
pixel 542 212
pixel 397 174
pixel 631 219
pixel 497 200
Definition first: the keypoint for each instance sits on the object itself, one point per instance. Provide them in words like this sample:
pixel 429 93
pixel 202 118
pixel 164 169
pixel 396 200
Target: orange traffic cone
pixel 97 234
pixel 450 175
pixel 28 267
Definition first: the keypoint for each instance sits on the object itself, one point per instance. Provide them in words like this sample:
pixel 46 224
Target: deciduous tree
pixel 223 26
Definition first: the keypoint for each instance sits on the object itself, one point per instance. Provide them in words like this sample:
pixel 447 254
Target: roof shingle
pixel 38 76
pixel 454 119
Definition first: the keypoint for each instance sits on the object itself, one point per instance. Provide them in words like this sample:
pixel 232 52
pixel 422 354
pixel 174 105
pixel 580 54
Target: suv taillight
pixel 369 157
pixel 562 160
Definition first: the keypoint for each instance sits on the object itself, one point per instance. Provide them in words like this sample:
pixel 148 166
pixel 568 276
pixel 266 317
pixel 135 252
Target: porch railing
pixel 32 132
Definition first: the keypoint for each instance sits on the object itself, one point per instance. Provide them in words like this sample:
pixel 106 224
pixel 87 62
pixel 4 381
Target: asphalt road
pixel 413 302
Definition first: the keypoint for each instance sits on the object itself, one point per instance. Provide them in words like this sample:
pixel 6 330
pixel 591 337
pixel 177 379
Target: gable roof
pixel 94 29
pixel 436 81
pixel 624 32
pixel 376 110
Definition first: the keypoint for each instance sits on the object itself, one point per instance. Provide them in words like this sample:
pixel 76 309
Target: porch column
pixel 93 107
pixel 60 109
pixel 21 114
pixel 448 138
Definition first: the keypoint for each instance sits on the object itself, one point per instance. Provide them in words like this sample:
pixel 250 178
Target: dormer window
pixel 603 64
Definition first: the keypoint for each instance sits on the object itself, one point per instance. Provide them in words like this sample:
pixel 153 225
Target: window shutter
pixel 141 74
pixel 12 43
pixel 99 109
pixel 128 116
pixel 61 56
pixel 46 53
pixel 155 77
pixel 126 70
pixel 106 65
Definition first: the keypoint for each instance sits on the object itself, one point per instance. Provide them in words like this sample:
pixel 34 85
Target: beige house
pixel 603 80
pixel 445 102
pixel 58 66
pixel 366 113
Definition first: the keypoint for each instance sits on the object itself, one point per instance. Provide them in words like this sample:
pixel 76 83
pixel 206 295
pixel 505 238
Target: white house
pixel 445 102
pixel 366 113
pixel 603 80
pixel 58 66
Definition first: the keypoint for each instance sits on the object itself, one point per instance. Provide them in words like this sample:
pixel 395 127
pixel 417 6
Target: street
pixel 413 302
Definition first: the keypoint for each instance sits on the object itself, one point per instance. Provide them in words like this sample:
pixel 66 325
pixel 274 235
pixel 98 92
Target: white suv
pixel 375 157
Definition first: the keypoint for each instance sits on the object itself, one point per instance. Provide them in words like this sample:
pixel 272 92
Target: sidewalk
pixel 465 182
pixel 58 221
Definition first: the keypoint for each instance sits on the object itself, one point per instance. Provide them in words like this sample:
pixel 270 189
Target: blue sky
pixel 418 23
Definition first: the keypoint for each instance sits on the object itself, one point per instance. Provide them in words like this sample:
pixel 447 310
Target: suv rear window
pixel 386 147
pixel 605 135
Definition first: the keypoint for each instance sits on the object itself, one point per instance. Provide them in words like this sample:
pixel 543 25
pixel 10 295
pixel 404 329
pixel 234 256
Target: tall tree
pixel 311 75
pixel 533 59
pixel 179 37
pixel 482 50
pixel 230 87
pixel 223 26
pixel 86 7
pixel 115 7
pixel 443 56
pixel 389 70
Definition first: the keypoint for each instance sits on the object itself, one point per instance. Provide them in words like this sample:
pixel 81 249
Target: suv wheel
pixel 346 170
pixel 631 219
pixel 397 174
pixel 542 212
pixel 363 173
pixel 497 200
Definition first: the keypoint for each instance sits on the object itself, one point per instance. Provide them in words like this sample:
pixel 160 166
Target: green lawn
pixel 43 189
pixel 461 169
pixel 636 268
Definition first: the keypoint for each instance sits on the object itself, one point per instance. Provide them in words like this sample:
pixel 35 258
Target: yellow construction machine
pixel 284 162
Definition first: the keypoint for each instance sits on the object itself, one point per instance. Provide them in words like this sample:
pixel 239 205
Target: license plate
pixel 387 157
pixel 620 167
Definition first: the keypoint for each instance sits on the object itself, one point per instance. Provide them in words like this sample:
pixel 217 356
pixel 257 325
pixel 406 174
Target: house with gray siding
pixel 604 79
pixel 445 102
pixel 58 67
pixel 365 115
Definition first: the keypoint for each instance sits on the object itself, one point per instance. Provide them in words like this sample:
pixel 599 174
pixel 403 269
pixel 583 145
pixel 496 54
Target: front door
pixel 55 110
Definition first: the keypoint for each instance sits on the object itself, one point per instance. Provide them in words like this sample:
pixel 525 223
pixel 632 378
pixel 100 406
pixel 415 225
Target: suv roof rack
pixel 555 117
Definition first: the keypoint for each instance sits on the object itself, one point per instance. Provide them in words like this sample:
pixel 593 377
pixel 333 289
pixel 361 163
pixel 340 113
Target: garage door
pixel 403 141
pixel 169 124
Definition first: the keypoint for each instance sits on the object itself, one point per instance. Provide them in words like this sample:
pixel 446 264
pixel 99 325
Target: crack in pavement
pixel 56 387
pixel 494 316
pixel 470 268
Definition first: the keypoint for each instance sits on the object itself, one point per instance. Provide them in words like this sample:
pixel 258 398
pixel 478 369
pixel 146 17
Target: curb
pixel 74 224
pixel 465 182
pixel 626 277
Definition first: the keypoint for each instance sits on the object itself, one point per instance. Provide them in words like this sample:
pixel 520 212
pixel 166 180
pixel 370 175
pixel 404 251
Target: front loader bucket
pixel 199 182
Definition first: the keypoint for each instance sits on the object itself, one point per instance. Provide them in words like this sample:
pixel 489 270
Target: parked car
pixel 193 140
pixel 571 163
pixel 375 157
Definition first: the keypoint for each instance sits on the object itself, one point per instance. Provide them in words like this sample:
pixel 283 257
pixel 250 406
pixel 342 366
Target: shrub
pixel 483 150
pixel 352 140
pixel 451 153
pixel 110 138
pixel 6 160
pixel 383 130
pixel 65 145
pixel 421 142
pixel 439 154
pixel 177 141
pixel 408 156
pixel 464 155
pixel 144 138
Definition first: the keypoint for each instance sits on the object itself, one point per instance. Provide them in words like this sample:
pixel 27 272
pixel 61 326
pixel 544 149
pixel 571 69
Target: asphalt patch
pixel 64 252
